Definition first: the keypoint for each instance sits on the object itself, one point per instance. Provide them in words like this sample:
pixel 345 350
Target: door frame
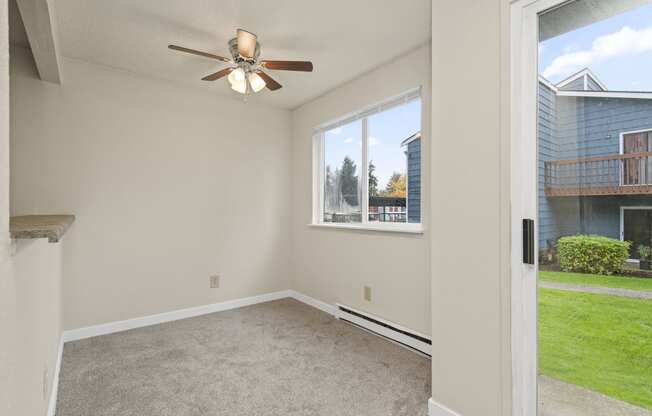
pixel 524 38
pixel 622 216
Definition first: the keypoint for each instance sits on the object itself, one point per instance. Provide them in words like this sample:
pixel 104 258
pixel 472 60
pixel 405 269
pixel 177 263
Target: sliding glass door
pixel 582 207
pixel 581 157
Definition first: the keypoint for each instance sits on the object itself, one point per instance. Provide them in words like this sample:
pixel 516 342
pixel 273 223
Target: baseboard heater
pixel 386 329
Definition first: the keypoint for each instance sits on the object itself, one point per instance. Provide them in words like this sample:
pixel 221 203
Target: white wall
pixel 7 317
pixel 30 290
pixel 31 299
pixel 470 208
pixel 169 185
pixel 334 265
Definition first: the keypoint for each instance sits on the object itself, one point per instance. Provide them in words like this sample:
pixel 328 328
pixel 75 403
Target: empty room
pixel 350 208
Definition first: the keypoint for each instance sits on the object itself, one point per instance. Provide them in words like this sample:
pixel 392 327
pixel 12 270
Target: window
pixel 386 194
pixel 342 182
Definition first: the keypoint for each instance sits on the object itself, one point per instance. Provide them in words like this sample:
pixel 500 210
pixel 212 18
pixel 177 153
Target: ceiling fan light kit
pixel 238 80
pixel 245 71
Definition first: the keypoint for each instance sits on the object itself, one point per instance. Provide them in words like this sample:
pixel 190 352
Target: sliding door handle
pixel 528 241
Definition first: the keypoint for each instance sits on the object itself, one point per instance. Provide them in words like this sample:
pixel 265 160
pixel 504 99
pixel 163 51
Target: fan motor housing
pixel 237 58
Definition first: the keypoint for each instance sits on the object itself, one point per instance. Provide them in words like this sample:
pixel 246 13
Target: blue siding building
pixel 595 161
pixel 412 146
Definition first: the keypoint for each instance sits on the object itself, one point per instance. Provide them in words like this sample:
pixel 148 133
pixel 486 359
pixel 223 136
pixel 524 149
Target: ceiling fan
pixel 245 70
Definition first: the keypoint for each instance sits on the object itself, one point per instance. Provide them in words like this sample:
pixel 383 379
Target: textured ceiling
pixel 343 38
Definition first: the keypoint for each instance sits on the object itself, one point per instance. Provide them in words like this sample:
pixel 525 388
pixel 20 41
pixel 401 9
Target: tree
pixel 396 186
pixel 330 189
pixel 330 179
pixel 373 180
pixel 348 182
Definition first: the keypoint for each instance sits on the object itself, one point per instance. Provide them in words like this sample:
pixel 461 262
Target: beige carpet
pixel 275 358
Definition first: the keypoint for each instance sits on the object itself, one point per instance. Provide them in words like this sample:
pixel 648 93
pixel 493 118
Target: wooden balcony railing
pixel 626 174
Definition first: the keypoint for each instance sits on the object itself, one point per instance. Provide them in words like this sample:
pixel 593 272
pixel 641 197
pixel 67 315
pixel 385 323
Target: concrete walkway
pixel 557 398
pixel 627 293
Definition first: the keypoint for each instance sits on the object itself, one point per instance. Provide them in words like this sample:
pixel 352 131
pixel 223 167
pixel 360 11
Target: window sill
pixel 386 228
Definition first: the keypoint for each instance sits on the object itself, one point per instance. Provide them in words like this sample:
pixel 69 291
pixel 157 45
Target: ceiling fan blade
pixel 246 43
pixel 305 66
pixel 269 81
pixel 200 53
pixel 218 74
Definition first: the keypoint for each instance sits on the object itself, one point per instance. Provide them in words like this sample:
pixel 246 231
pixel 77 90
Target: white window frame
pixel 523 82
pixel 318 169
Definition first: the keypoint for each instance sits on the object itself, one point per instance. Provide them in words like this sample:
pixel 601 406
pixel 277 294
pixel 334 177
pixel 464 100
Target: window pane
pixel 342 161
pixel 395 164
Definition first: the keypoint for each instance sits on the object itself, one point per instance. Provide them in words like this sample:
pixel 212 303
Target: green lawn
pixel 621 282
pixel 603 343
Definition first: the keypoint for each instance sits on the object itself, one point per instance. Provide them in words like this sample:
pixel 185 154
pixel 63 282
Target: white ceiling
pixel 343 38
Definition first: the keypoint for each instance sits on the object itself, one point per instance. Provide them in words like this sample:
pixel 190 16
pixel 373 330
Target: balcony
pixel 387 209
pixel 381 209
pixel 624 174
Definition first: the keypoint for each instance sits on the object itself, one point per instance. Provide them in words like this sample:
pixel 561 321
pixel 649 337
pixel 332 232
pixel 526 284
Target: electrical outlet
pixel 214 281
pixel 367 293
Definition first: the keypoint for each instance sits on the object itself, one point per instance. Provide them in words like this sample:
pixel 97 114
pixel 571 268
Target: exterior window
pixel 368 167
pixel 394 149
pixel 342 182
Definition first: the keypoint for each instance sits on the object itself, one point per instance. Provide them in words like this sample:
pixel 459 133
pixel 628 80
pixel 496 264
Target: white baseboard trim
pixel 119 326
pixel 438 409
pixel 54 389
pixel 323 306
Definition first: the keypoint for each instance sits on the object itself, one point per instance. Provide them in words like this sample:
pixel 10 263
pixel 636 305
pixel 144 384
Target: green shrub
pixel 592 254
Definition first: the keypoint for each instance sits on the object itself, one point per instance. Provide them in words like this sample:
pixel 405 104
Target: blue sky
pixel 618 50
pixel 386 132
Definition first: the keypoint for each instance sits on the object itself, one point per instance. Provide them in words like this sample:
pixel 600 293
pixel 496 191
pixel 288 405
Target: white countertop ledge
pixel 385 228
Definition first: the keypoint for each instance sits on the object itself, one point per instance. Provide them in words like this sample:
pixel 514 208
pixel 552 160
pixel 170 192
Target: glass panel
pixel 342 161
pixel 637 228
pixel 635 168
pixel 594 229
pixel 395 164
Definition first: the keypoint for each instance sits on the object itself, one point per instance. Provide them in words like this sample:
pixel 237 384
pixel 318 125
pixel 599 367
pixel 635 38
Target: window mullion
pixel 364 172
pixel 322 178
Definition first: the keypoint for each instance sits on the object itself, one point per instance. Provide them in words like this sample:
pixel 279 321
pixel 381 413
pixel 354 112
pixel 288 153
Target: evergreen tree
pixel 373 180
pixel 329 183
pixel 348 182
pixel 330 189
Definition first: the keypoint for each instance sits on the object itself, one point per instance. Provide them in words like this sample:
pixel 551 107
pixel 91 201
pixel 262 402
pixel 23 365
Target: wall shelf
pixel 52 227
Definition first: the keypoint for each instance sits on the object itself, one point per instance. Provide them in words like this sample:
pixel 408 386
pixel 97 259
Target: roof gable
pixel 584 80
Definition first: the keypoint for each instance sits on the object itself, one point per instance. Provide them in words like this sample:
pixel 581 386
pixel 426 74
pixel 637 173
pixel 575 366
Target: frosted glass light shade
pixel 237 75
pixel 237 80
pixel 256 82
